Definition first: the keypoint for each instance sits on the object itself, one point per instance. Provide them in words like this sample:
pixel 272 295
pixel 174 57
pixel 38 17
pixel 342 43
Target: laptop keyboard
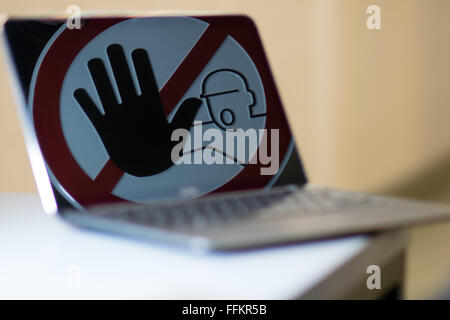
pixel 222 210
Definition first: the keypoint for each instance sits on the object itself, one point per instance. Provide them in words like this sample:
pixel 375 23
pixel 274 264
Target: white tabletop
pixel 42 256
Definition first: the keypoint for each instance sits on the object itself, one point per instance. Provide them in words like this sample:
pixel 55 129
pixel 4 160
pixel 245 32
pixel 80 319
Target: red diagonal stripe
pixel 172 92
pixel 196 60
pixel 109 176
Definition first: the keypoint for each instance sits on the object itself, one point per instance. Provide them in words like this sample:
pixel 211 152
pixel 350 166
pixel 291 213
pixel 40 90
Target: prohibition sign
pixel 51 72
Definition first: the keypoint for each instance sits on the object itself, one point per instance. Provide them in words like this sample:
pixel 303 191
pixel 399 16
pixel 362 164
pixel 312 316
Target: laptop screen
pixel 151 108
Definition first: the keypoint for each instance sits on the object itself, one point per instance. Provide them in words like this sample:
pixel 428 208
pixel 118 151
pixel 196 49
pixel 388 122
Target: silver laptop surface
pixel 171 129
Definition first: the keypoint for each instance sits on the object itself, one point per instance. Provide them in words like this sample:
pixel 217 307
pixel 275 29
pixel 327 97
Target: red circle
pixel 46 111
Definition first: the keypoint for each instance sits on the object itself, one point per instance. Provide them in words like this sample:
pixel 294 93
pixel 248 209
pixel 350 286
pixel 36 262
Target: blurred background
pixel 370 108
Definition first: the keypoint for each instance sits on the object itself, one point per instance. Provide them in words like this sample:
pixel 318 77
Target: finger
pixel 102 83
pixel 145 75
pixel 185 114
pixel 121 71
pixel 88 106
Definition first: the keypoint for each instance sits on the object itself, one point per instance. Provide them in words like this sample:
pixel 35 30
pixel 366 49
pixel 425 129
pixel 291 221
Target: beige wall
pixel 369 108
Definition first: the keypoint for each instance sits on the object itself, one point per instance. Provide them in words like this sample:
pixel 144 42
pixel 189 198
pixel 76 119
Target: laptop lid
pixel 148 109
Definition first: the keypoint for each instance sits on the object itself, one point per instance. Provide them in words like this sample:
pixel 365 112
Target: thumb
pixel 185 114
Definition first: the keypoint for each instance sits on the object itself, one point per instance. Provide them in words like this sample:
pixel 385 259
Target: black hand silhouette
pixel 135 133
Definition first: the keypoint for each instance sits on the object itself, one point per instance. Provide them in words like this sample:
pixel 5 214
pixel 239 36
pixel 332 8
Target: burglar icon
pixel 228 98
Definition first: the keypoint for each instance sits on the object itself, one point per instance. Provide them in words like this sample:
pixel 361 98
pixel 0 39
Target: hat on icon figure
pixel 228 98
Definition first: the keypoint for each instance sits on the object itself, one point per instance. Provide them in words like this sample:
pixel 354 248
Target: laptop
pixel 171 129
